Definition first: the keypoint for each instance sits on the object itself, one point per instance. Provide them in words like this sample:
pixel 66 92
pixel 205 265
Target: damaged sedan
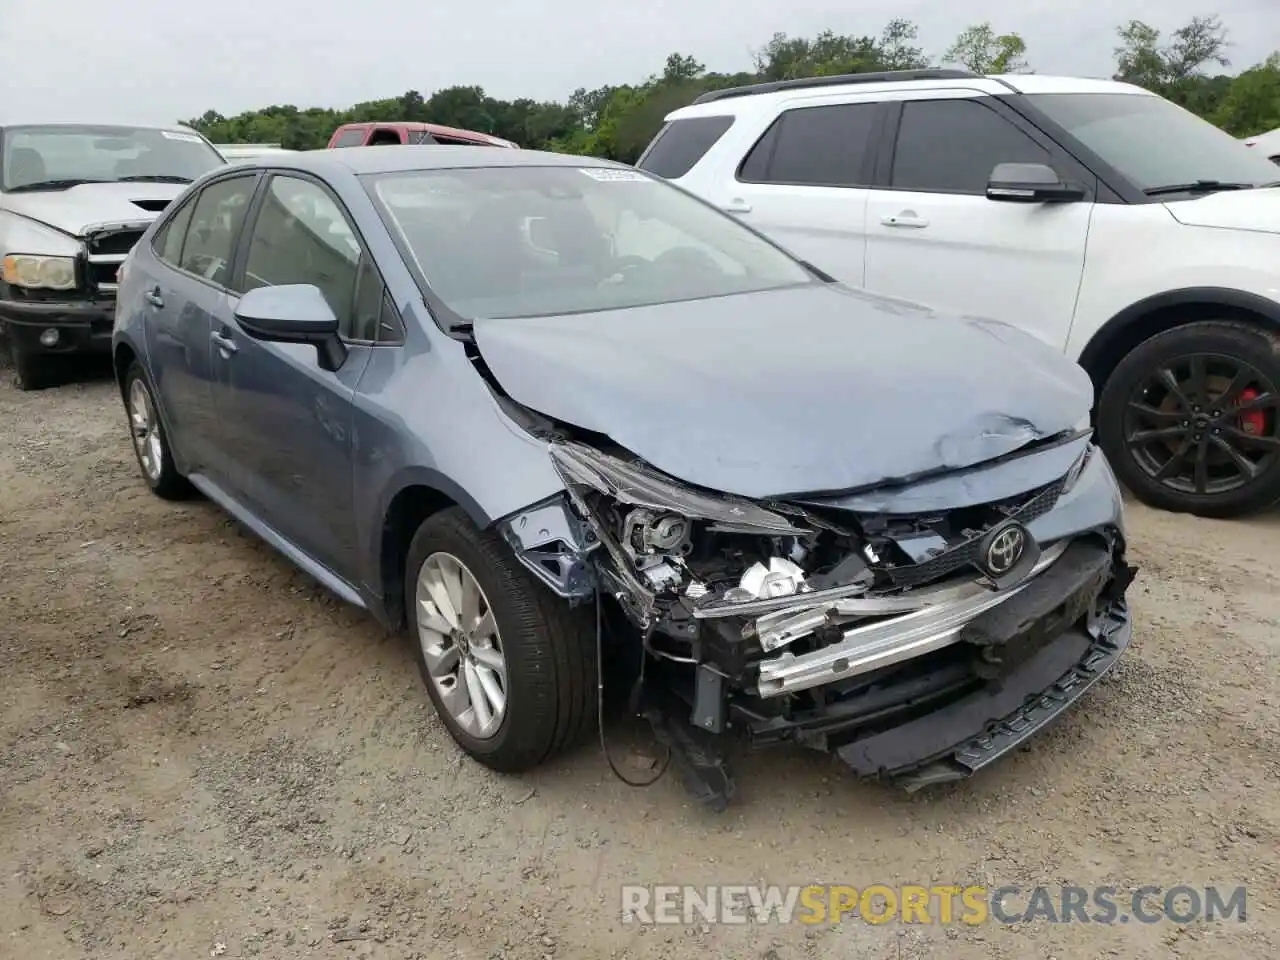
pixel 555 418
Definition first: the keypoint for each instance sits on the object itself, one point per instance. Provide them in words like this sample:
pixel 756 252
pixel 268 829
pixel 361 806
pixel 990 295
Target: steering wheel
pixel 688 257
pixel 622 266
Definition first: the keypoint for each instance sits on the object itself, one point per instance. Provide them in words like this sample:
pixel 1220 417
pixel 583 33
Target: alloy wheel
pixel 461 645
pixel 145 427
pixel 1204 424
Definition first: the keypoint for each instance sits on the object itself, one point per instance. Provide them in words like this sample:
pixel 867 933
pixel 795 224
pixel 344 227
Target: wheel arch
pixel 417 494
pixel 1165 311
pixel 122 357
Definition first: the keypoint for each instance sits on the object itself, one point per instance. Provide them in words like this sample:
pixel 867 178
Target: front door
pixel 291 419
pixel 933 236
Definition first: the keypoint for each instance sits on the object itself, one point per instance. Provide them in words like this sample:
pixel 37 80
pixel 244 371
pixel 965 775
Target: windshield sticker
pixel 177 135
pixel 605 174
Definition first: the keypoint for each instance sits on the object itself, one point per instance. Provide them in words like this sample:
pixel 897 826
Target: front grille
pixel 117 243
pixel 1024 509
pixel 101 277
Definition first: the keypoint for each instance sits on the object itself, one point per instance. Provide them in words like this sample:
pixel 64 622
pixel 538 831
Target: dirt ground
pixel 203 754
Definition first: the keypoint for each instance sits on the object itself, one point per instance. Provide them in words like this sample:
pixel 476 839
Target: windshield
pixel 537 241
pixel 53 154
pixel 1154 142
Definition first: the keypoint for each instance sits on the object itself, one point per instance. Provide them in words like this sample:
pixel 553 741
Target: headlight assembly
pixel 1077 468
pixel 40 273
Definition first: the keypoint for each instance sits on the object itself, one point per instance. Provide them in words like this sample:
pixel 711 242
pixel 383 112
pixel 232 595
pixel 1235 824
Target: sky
pixel 161 61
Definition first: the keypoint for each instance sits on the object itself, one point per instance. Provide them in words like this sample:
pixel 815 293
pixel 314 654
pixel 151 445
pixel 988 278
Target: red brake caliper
pixel 1252 422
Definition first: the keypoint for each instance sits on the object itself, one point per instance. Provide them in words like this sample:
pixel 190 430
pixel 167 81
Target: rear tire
pixel 1136 402
pixel 149 440
pixel 548 648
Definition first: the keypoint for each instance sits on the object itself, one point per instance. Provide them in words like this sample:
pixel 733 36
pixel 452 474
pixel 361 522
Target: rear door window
pixel 951 146
pixel 681 144
pixel 215 226
pixel 168 239
pixel 350 138
pixel 828 146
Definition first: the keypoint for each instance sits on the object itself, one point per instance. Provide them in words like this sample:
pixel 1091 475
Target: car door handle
pixel 905 219
pixel 737 206
pixel 154 298
pixel 223 342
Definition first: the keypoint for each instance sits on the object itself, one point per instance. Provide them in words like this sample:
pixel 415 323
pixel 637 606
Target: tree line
pixel 1189 66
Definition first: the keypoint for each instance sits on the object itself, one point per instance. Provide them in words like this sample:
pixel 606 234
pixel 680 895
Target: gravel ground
pixel 203 754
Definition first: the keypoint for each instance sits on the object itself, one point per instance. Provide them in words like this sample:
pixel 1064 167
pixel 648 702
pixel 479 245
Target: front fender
pixel 1231 299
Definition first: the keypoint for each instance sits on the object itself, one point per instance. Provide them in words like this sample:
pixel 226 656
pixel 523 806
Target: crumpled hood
pixel 1257 210
pixel 810 389
pixel 75 208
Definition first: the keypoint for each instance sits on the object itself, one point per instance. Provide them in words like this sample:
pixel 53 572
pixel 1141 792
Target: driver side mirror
pixel 293 313
pixel 1030 183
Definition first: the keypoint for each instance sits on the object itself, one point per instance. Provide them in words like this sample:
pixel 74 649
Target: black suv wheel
pixel 1190 419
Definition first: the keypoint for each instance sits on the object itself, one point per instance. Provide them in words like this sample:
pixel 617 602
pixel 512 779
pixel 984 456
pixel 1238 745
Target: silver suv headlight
pixel 36 272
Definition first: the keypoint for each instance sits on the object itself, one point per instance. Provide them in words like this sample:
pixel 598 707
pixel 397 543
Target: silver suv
pixel 74 199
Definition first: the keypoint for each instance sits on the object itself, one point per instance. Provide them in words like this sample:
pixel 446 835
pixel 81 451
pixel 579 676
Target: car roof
pixel 745 100
pixel 17 120
pixel 420 125
pixel 399 158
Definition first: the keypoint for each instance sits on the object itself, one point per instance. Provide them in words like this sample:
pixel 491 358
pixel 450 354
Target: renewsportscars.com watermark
pixel 932 904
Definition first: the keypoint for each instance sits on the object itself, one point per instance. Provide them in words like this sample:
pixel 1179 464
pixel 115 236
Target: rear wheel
pixel 509 666
pixel 150 443
pixel 1190 419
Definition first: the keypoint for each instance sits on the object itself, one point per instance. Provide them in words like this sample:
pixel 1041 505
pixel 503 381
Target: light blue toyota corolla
pixel 543 412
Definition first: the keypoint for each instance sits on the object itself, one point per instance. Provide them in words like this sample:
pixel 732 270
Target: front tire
pixel 509 667
pixel 1190 419
pixel 150 442
pixel 30 369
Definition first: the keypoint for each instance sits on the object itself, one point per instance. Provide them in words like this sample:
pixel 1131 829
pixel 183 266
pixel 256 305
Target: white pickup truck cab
pixel 1139 239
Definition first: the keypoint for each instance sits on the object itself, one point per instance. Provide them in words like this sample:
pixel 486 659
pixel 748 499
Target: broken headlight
pixel 1077 469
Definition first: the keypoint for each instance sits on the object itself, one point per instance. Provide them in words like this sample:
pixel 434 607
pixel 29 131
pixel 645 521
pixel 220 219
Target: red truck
pixel 377 134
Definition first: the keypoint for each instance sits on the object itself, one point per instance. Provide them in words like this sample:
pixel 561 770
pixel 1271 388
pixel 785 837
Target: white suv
pixel 1038 201
pixel 1267 144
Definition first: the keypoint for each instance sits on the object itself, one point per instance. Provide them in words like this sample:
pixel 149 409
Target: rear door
pixel 185 292
pixel 804 182
pixel 935 238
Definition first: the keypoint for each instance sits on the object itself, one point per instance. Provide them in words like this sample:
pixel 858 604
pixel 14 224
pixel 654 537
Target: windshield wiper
pixel 52 185
pixel 1199 186
pixel 155 178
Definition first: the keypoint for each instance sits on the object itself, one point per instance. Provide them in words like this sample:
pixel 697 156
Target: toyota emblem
pixel 1005 550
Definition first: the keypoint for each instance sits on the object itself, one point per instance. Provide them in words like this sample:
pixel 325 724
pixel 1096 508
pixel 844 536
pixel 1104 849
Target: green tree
pixel 618 121
pixel 827 54
pixel 980 49
pixel 1252 103
pixel 898 49
pixel 1175 69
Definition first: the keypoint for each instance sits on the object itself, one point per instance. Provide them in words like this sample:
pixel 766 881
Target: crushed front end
pixel 918 642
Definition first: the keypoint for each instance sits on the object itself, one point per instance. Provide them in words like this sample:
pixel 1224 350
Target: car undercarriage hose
pixel 604 746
